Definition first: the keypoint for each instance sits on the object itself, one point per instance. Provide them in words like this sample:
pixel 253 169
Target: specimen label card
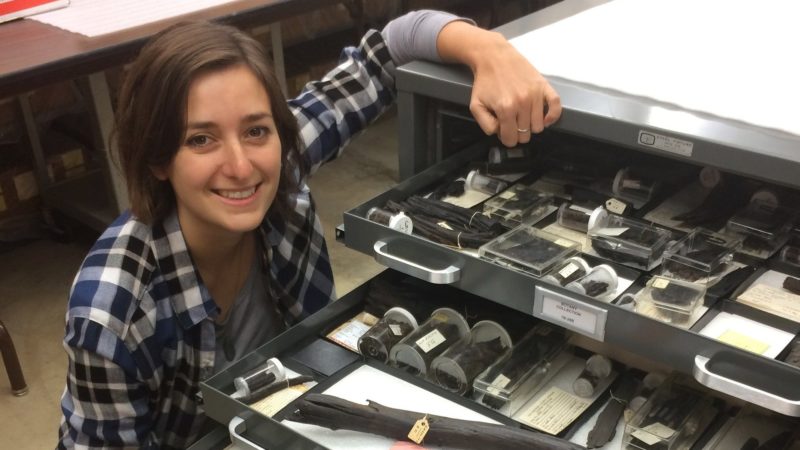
pixel 774 300
pixel 570 313
pixel 554 411
pixel 348 333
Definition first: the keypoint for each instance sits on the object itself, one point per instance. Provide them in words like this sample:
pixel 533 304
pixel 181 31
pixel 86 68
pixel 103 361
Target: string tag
pixel 419 430
pixel 615 206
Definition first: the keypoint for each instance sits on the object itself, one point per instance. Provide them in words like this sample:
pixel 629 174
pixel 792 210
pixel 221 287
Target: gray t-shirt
pixel 252 321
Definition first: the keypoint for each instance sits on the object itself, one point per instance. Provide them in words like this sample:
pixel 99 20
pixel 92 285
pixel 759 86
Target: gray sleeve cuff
pixel 413 35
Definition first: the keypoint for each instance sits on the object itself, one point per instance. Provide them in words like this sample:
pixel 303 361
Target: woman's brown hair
pixel 151 110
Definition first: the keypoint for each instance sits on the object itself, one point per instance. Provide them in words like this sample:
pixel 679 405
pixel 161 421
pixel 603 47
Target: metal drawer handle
pixel 743 391
pixel 237 426
pixel 448 275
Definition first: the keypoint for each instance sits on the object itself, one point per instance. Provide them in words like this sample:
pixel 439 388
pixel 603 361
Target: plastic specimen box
pixel 763 227
pixel 528 249
pixel 633 186
pixel 672 418
pixel 699 256
pixel 674 300
pixel 629 241
pixel 520 372
pixel 519 203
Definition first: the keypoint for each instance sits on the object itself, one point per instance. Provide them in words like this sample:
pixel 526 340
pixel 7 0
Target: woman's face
pixel 226 171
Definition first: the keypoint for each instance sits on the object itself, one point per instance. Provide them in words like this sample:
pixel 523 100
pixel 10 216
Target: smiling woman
pixel 222 248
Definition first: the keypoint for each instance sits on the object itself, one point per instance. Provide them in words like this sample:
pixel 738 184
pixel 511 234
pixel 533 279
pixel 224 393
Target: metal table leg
pixel 18 386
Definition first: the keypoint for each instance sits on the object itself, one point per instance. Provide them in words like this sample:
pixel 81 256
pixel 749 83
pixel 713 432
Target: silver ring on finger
pixel 523 130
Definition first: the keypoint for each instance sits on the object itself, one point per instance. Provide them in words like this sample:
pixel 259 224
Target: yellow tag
pixel 72 159
pixel 615 206
pixel 743 341
pixel 660 283
pixel 419 430
pixel 564 242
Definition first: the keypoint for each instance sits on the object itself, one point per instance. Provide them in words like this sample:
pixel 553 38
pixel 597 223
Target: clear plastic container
pixel 763 227
pixel 674 300
pixel 457 367
pixel 601 282
pixel 790 254
pixel 417 350
pixel 579 218
pixel 520 372
pixel 395 324
pixel 629 241
pixel 398 221
pixel 529 249
pixel 700 256
pixel 476 181
pixel 633 186
pixel 762 428
pixel 673 418
pixel 519 203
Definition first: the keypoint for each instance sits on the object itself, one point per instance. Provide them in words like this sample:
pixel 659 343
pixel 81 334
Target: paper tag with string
pixel 419 430
pixel 615 206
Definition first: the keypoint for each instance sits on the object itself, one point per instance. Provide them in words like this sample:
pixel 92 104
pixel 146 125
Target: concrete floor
pixel 35 279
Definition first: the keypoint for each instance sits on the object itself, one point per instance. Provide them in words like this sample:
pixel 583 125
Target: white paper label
pixel 616 231
pixel 615 206
pixel 666 143
pixel 430 341
pixel 660 283
pixel 507 195
pixel 501 381
pixel 569 270
pixel 395 329
pixel 554 411
pixel 569 314
pixel 653 433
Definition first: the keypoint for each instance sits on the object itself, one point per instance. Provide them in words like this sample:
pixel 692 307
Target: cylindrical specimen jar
pixel 597 368
pixel 579 218
pixel 395 324
pixel 481 183
pixel 599 282
pixel 417 350
pixel 398 221
pixel 457 367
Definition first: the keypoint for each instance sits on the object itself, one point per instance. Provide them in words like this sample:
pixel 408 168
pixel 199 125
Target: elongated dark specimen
pixel 335 413
pixel 606 425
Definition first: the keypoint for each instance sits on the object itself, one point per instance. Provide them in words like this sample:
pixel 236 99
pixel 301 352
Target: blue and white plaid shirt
pixel 140 331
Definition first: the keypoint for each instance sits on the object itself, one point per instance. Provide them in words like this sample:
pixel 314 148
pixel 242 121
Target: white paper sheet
pixel 368 383
pixel 749 334
pixel 729 58
pixel 97 17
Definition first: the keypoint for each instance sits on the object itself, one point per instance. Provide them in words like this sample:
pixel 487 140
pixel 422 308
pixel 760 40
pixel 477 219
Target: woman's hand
pixel 509 96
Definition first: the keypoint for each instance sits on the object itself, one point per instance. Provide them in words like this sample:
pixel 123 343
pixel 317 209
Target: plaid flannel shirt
pixel 140 333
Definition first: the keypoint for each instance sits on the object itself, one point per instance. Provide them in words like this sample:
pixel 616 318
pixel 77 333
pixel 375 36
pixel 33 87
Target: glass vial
pixel 481 183
pixel 395 324
pixel 597 368
pixel 399 221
